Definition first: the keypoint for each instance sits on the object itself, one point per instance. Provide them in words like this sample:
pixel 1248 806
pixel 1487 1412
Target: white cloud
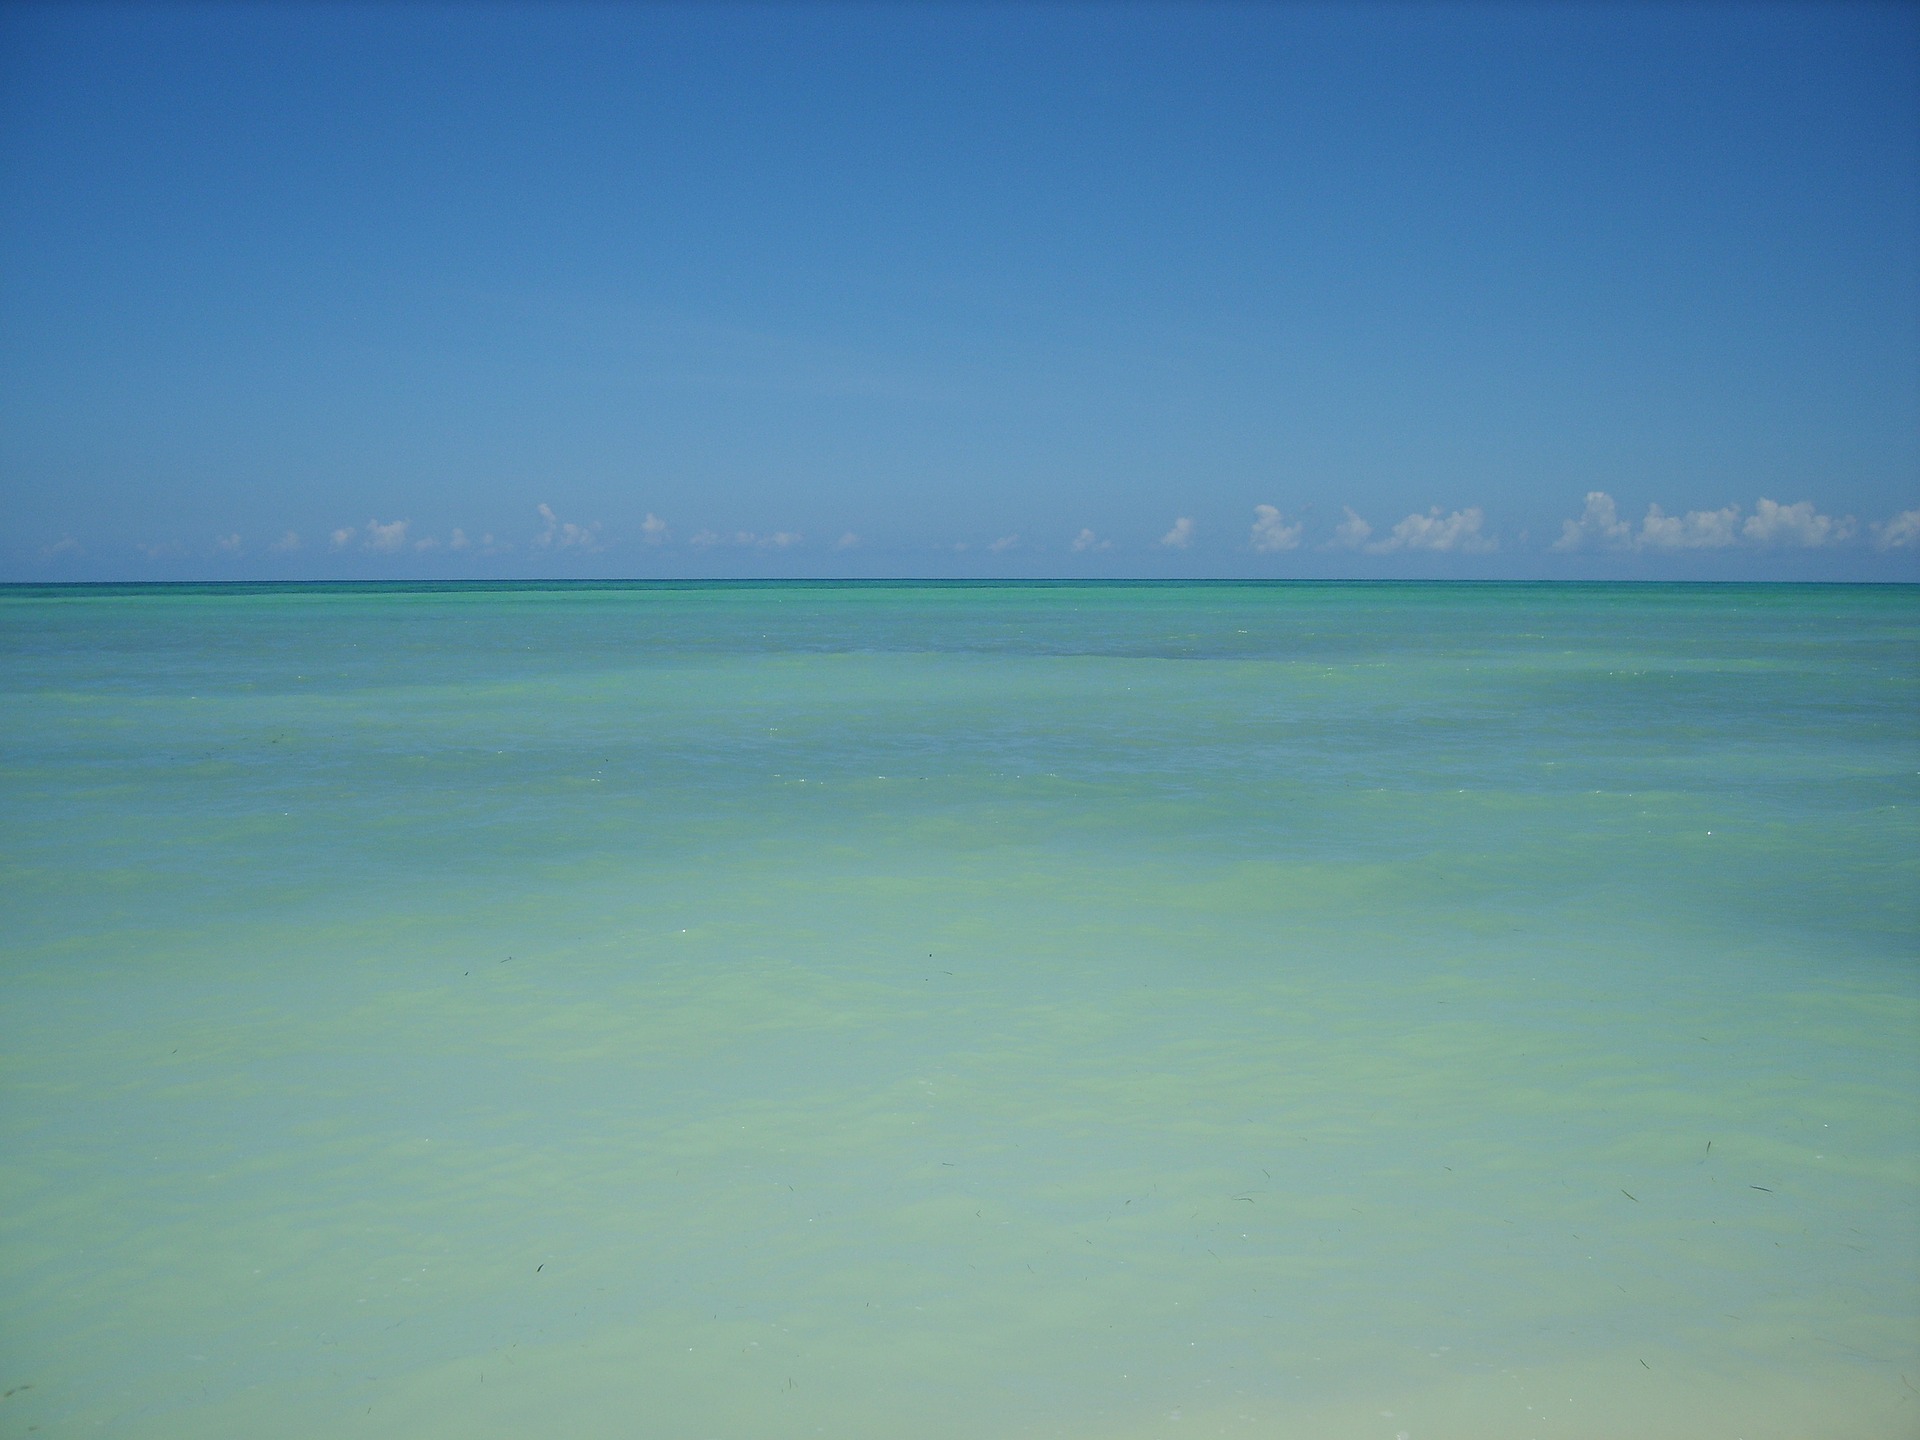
pixel 165 550
pixel 777 540
pixel 1458 533
pixel 1180 536
pixel 1771 523
pixel 1271 532
pixel 1899 532
pixel 1004 544
pixel 1599 524
pixel 65 545
pixel 227 544
pixel 426 542
pixel 343 537
pixel 846 541
pixel 287 543
pixel 1695 530
pixel 1775 524
pixel 565 535
pixel 653 530
pixel 458 540
pixel 1351 533
pixel 1087 540
pixel 385 538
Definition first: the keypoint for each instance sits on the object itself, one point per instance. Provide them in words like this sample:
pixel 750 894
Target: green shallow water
pixel 958 1011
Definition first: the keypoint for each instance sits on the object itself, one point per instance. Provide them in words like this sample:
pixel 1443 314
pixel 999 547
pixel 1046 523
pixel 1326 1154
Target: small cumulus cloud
pixel 458 540
pixel 1775 524
pixel 653 530
pixel 846 541
pixel 385 539
pixel 65 545
pixel 1599 525
pixel 1087 540
pixel 227 544
pixel 427 542
pixel 1458 533
pixel 1180 536
pixel 287 543
pixel 748 539
pixel 1004 544
pixel 1899 532
pixel 1271 531
pixel 566 535
pixel 165 550
pixel 382 539
pixel 1695 530
pixel 1351 533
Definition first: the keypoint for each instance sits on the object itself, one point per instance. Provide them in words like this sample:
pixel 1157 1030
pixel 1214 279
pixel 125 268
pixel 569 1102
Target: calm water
pixel 1086 1011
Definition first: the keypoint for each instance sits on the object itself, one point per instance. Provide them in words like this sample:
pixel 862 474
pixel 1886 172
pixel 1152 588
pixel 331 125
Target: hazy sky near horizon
pixel 1406 289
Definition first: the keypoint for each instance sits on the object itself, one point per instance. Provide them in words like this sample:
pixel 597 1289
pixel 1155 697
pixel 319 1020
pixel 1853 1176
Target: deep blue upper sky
pixel 808 290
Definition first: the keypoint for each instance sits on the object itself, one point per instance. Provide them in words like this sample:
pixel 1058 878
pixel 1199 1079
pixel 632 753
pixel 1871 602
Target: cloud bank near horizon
pixel 1597 531
pixel 1770 526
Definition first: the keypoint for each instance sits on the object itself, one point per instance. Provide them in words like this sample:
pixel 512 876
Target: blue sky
pixel 370 291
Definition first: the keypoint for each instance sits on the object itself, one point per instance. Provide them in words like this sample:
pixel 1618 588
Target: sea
pixel 960 1011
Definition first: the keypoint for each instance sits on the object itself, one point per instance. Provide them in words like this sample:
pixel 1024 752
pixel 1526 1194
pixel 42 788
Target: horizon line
pixel 976 582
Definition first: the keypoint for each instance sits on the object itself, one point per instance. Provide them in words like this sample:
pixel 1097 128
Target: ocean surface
pixel 960 1011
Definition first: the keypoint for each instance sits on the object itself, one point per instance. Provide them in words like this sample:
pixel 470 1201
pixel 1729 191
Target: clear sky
pixel 371 291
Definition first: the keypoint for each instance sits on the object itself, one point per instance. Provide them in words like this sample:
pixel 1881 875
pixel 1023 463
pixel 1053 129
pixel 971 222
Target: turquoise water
pixel 960 1011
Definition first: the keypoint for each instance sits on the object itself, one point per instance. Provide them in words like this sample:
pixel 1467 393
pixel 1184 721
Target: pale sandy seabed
pixel 1473 1012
